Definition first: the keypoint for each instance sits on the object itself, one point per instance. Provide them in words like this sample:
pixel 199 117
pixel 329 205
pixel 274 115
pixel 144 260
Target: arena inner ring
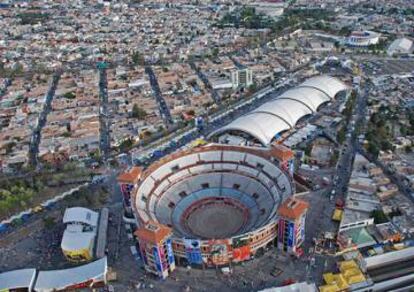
pixel 220 201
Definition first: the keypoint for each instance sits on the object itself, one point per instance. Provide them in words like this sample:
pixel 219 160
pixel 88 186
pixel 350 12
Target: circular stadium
pixel 215 194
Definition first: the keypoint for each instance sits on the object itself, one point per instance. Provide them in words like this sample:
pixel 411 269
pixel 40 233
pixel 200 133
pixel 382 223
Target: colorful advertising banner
pixel 170 252
pixel 241 253
pixel 193 251
pixel 219 251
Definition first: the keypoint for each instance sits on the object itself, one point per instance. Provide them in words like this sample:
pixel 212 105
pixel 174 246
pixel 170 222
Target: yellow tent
pixel 329 278
pixel 356 279
pixel 341 282
pixel 329 288
pixel 337 215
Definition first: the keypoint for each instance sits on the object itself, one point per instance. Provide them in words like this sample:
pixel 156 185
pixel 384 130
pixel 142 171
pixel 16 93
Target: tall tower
pixel 291 226
pixel 127 181
pixel 156 248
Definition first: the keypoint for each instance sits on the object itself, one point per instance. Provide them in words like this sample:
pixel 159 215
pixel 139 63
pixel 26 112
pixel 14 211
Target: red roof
pixel 132 176
pixel 293 208
pixel 153 232
pixel 281 152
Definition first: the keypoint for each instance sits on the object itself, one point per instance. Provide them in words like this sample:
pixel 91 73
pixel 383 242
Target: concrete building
pixel 291 226
pixel 219 202
pixel 127 181
pixel 362 38
pixel 242 77
pixel 78 239
pixel 155 247
pixel 400 46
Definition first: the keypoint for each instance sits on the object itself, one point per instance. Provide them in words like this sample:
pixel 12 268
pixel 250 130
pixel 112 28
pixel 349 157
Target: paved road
pixel 41 122
pixel 162 105
pixel 349 148
pixel 104 141
pixel 203 77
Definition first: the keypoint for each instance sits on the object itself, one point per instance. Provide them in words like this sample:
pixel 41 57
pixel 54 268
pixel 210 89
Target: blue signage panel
pixel 193 251
pixel 291 234
pixel 157 259
pixel 194 256
pixel 170 252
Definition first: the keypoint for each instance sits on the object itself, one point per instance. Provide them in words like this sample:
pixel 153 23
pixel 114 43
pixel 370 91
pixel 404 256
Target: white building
pixel 243 77
pixel 283 113
pixel 221 83
pixel 400 46
pixel 363 38
pixel 78 238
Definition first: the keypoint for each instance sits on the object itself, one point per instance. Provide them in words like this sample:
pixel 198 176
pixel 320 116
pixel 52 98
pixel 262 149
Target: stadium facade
pixel 363 38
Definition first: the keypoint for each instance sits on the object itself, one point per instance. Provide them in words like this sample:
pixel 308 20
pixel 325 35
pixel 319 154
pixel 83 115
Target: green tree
pixel 379 216
pixel 341 135
pixel 214 52
pixel 137 58
pixel 69 95
pixel 138 113
pixel 373 149
pixel 126 145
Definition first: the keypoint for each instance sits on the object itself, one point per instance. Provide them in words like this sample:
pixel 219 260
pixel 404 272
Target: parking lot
pixel 388 67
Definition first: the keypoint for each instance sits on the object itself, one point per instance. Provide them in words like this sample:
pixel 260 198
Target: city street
pixel 349 147
pixel 162 105
pixel 104 119
pixel 41 122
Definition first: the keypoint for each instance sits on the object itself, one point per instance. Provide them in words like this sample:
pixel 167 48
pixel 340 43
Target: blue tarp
pixel 3 228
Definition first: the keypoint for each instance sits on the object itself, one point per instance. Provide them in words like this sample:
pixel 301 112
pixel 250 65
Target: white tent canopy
pixel 63 279
pixel 18 279
pixel 283 112
pixel 328 84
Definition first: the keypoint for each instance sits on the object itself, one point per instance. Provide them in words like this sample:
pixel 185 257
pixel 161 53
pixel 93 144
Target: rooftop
pixel 153 232
pixel 82 215
pixel 18 279
pixel 293 208
pixel 131 176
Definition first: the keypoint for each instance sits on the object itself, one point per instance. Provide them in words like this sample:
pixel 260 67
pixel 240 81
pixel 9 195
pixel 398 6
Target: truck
pixel 339 204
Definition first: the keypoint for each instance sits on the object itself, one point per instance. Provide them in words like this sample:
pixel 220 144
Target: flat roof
pixel 17 279
pixel 82 215
pixel 296 287
pixel 388 258
pixel 72 241
pixel 351 216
